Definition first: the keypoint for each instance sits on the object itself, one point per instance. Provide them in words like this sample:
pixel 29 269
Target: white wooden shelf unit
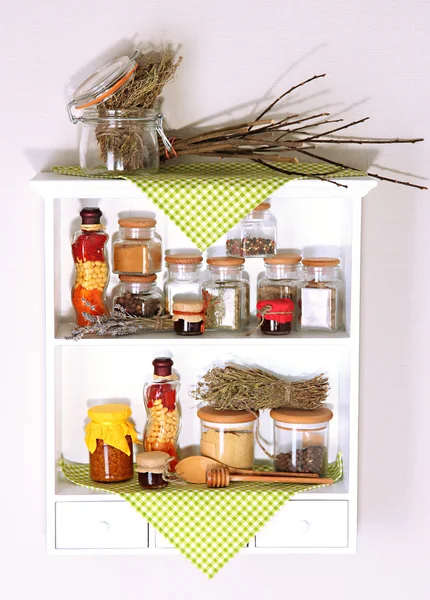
pixel 314 217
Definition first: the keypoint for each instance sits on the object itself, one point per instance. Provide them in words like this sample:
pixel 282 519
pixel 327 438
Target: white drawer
pixel 307 524
pixel 99 525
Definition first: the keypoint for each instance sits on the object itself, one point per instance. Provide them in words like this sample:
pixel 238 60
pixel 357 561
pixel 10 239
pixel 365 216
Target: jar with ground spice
pixel 320 295
pixel 161 397
pixel 228 307
pixel 138 248
pixel 138 296
pixel 228 436
pixel 255 235
pixel 301 439
pixel 189 317
pixel 183 280
pixel 109 438
pixel 283 276
pixel 150 469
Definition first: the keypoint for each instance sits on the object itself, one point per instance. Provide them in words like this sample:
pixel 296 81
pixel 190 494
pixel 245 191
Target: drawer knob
pixel 103 526
pixel 304 526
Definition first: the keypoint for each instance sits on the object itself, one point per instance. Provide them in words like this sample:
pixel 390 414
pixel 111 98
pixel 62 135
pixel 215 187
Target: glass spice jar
pixel 275 316
pixel 283 275
pixel 138 296
pixel 109 439
pixel 228 436
pixel 91 266
pixel 183 279
pixel 228 307
pixel 138 247
pixel 189 317
pixel 150 469
pixel 320 295
pixel 255 235
pixel 162 409
pixel 301 439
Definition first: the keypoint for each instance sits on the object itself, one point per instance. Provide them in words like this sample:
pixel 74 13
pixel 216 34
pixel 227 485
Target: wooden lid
pixel 225 261
pixel 262 206
pixel 183 259
pixel 192 306
pixel 138 278
pixel 321 261
pixel 283 259
pixel 301 417
pixel 208 413
pixel 137 222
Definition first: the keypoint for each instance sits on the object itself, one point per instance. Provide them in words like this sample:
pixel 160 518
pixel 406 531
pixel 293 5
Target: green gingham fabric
pixel 206 200
pixel 208 526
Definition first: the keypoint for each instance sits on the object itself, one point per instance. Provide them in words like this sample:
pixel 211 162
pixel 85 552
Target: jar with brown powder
pixel 138 247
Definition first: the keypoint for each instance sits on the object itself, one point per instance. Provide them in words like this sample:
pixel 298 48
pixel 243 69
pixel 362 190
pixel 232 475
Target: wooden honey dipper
pixel 217 477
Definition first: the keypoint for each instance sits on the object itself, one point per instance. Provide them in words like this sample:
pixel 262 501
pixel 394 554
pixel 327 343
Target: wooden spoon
pixel 218 477
pixel 193 469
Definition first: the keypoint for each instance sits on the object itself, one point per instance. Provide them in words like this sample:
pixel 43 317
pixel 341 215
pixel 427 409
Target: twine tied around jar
pixel 93 227
pixel 171 476
pixel 268 308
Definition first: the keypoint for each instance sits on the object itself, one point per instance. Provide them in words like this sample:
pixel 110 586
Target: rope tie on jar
pixel 263 312
pixel 169 476
pixel 93 227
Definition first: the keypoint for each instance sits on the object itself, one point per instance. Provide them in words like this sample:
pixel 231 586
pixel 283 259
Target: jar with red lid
pixel 276 316
pixel 91 266
pixel 161 397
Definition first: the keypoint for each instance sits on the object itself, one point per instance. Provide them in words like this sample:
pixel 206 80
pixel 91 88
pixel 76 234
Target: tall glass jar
pixel 229 295
pixel 161 397
pixel 283 275
pixel 138 248
pixel 183 279
pixel 91 266
pixel 138 297
pixel 321 295
pixel 255 236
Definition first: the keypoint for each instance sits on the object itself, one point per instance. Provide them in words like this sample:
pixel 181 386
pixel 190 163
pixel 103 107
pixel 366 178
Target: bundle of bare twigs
pixel 237 387
pixel 267 141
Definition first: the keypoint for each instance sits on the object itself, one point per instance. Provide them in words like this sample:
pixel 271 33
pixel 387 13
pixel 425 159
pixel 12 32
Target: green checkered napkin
pixel 206 200
pixel 208 526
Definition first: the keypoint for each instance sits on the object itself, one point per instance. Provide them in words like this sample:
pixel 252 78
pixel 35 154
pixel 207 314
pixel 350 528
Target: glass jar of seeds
pixel 320 295
pixel 255 236
pixel 138 297
pixel 283 275
pixel 183 281
pixel 229 295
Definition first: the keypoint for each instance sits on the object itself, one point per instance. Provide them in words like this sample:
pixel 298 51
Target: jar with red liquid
pixel 161 397
pixel 92 270
pixel 276 315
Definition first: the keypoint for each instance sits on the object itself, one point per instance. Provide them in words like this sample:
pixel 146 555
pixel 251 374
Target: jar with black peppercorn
pixel 301 439
pixel 150 469
pixel 255 235
pixel 138 296
pixel 283 276
pixel 189 317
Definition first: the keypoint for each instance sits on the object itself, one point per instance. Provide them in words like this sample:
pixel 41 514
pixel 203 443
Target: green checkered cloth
pixel 208 526
pixel 206 200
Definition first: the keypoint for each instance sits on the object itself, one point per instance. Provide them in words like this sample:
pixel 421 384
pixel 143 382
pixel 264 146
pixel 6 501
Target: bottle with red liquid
pixel 161 397
pixel 92 270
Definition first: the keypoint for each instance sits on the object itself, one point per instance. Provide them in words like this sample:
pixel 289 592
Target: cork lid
pixel 188 306
pixel 262 206
pixel 283 259
pixel 90 215
pixel 208 413
pixel 183 259
pixel 138 278
pixel 321 261
pixel 225 261
pixel 137 222
pixel 151 462
pixel 301 417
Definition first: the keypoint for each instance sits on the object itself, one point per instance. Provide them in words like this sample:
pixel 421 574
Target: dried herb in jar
pixel 225 310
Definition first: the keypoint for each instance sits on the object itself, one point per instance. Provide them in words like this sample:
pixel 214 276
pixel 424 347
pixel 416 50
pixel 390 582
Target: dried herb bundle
pixel 237 387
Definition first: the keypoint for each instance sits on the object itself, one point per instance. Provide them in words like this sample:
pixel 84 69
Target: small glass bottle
pixel 91 266
pixel 150 469
pixel 228 307
pixel 161 397
pixel 283 275
pixel 255 235
pixel 189 317
pixel 320 295
pixel 109 439
pixel 183 279
pixel 137 250
pixel 276 316
pixel 138 296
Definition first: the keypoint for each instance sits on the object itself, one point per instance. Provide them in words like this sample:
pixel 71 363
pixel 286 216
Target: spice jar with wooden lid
pixel 189 317
pixel 320 295
pixel 282 278
pixel 137 250
pixel 109 438
pixel 183 280
pixel 138 297
pixel 228 436
pixel 228 307
pixel 150 469
pixel 255 235
pixel 301 439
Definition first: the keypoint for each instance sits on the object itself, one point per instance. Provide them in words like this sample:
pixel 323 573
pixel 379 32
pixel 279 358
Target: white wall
pixel 235 53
